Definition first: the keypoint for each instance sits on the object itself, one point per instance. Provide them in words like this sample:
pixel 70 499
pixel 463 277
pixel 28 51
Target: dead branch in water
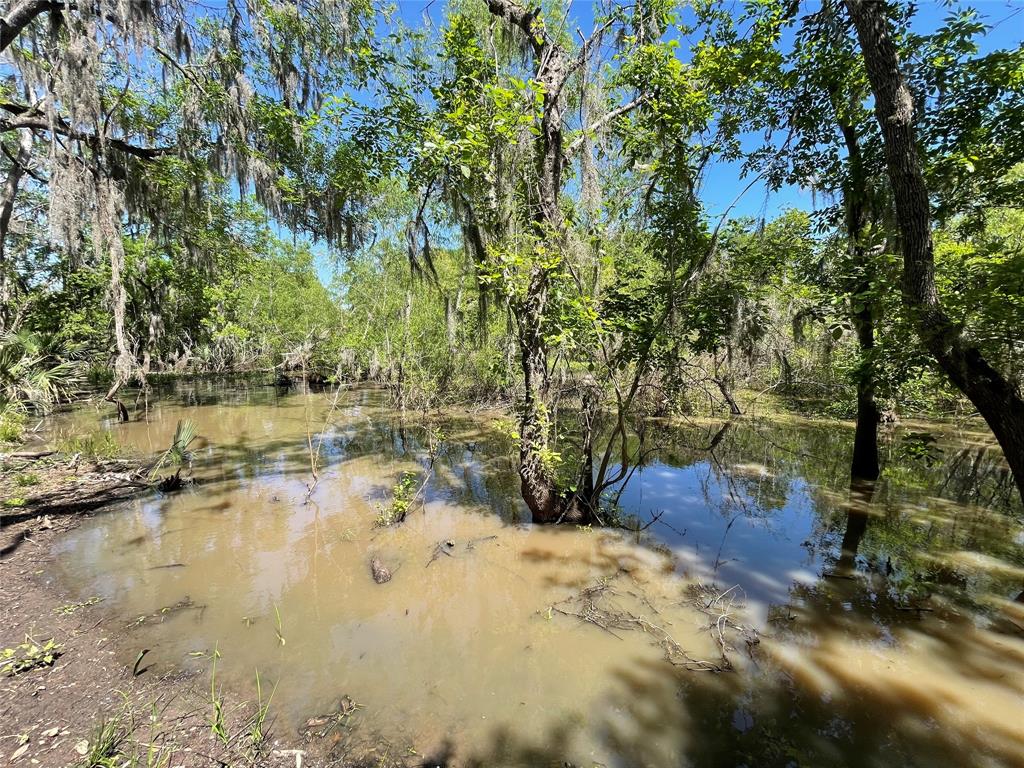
pixel 593 606
pixel 720 606
pixel 185 604
pixel 447 547
pixel 442 548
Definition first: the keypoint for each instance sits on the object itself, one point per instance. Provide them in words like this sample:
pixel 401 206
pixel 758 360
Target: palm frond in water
pixel 184 434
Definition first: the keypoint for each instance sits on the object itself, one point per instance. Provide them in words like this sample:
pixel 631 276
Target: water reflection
pixel 890 623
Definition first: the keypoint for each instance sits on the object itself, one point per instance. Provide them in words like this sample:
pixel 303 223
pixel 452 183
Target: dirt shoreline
pixel 51 714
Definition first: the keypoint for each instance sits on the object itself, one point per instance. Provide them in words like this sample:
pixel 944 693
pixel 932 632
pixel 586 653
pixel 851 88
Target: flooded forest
pixel 512 383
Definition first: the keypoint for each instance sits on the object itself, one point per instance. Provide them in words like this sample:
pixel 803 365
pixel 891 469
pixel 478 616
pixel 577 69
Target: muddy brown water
pixel 862 628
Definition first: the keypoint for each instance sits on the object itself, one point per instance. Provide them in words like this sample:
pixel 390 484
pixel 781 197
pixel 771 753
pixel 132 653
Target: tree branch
pixel 25 167
pixel 588 45
pixel 516 14
pixel 28 117
pixel 20 14
pixel 601 122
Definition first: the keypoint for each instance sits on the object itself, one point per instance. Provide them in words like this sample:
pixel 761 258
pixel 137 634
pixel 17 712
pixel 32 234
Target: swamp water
pixel 879 628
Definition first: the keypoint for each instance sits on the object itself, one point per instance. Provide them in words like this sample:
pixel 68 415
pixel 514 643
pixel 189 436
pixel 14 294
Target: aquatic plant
pixel 12 426
pixel 68 608
pixel 101 445
pixel 279 629
pixel 401 499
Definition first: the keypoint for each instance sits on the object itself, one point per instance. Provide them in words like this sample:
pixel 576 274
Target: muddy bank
pixel 65 698
pixel 52 714
pixel 74 704
pixel 52 484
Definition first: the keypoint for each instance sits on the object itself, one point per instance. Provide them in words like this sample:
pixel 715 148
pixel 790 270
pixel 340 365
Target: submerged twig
pixel 591 606
pixel 314 456
pixel 442 548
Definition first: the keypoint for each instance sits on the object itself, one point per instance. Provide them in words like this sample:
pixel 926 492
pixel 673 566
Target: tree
pixel 528 280
pixel 138 105
pixel 996 398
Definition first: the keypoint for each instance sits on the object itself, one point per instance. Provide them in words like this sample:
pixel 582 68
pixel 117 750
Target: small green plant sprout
pixel 15 502
pixel 177 454
pixel 258 724
pixel 157 755
pixel 26 479
pixel 103 750
pixel 279 629
pixel 29 655
pixel 401 500
pixel 69 608
pixel 217 726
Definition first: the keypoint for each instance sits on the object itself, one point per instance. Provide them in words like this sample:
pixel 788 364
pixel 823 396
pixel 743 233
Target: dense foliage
pixel 494 205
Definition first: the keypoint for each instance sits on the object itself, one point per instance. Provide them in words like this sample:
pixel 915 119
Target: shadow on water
pixel 832 682
pixel 890 623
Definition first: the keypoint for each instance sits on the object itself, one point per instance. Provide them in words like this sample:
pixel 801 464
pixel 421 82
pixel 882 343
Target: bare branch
pixel 601 122
pixel 27 117
pixel 588 45
pixel 20 14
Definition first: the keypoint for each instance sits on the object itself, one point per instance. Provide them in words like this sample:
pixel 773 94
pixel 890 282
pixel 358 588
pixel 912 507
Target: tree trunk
pixel 723 387
pixel 406 349
pixel 864 465
pixel 8 195
pixel 540 490
pixel 857 513
pixel 996 399
pixel 786 372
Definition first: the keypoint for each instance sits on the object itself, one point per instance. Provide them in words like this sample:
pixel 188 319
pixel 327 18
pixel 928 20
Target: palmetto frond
pixel 177 453
pixel 34 371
